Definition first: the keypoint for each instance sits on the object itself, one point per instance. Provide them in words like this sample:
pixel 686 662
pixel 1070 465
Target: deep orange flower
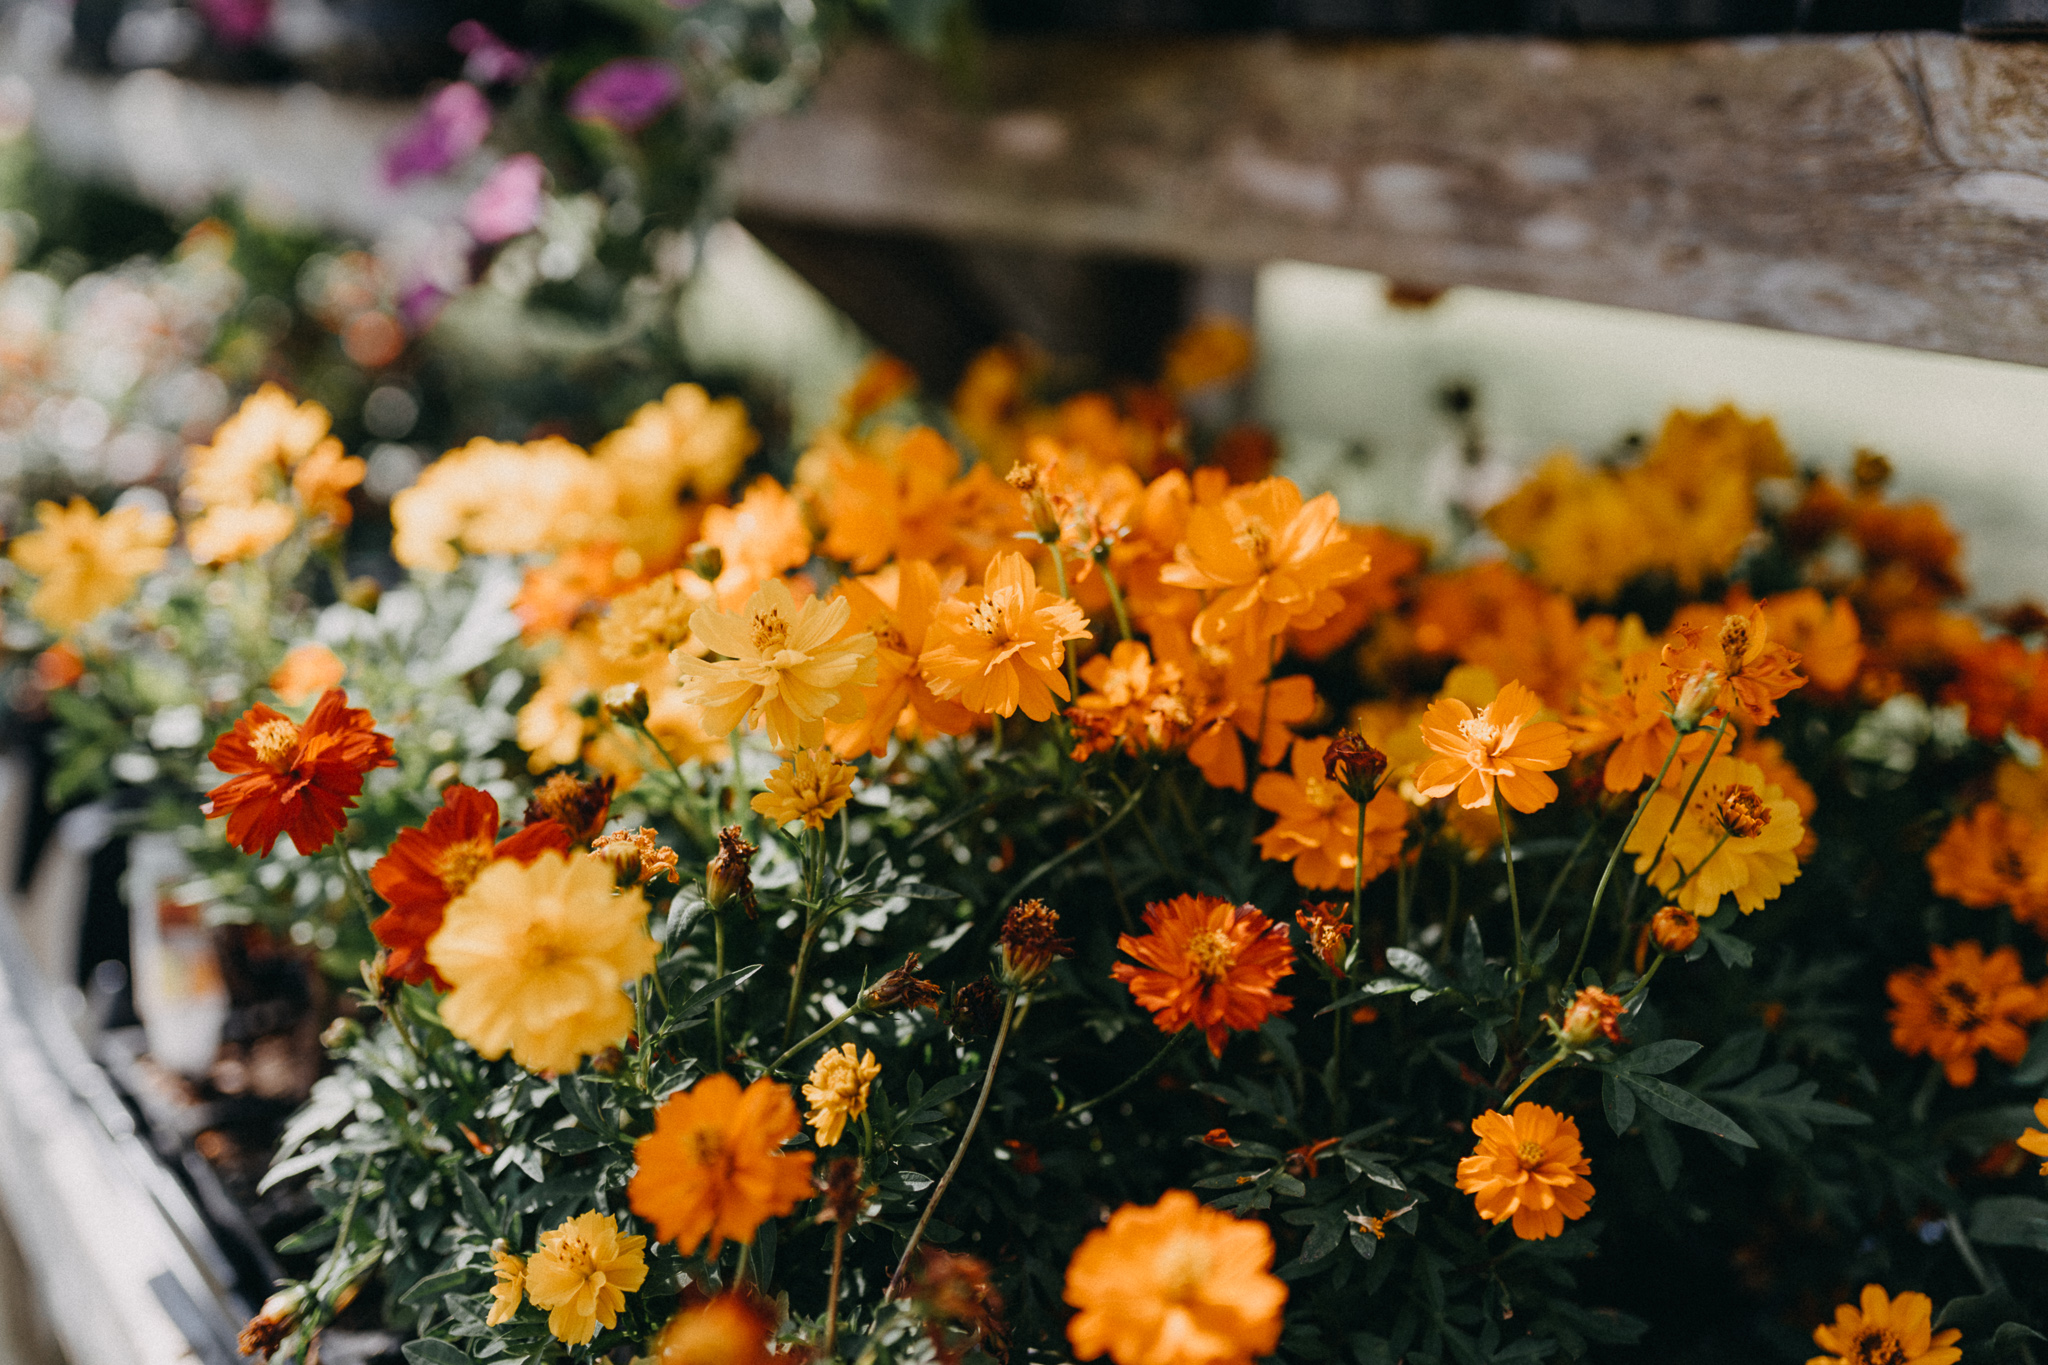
pixel 1208 963
pixel 306 671
pixel 1592 1013
pixel 713 1167
pixel 1328 932
pixel 1393 558
pixel 1229 698
pixel 1134 703
pixel 1752 672
pixel 1995 856
pixel 1824 634
pixel 1273 562
pixel 2004 684
pixel 1635 720
pixel 1529 1168
pixel 428 867
pixel 1497 745
pixel 1964 1004
pixel 2034 1139
pixel 999 650
pixel 1317 832
pixel 903 497
pixel 1881 1330
pixel 1175 1284
pixel 294 779
pixel 728 1329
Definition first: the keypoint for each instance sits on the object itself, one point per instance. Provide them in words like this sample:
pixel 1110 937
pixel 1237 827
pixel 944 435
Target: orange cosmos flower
pixel 758 540
pixel 905 498
pixel 294 779
pixel 728 1329
pixel 712 1166
pixel 1995 856
pixel 1529 1168
pixel 1273 562
pixel 1135 704
pixel 785 665
pixel 306 672
pixel 1317 832
pixel 428 867
pixel 1208 963
pixel 1175 1283
pixel 1497 745
pixel 2034 1140
pixel 1752 672
pixel 1000 648
pixel 897 607
pixel 1880 1330
pixel 1228 696
pixel 1964 1004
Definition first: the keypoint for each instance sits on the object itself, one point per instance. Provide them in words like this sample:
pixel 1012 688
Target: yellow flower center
pixel 1185 1270
pixel 1318 793
pixel 708 1145
pixel 888 633
pixel 1734 643
pixel 1211 954
pixel 1530 1154
pixel 1876 1346
pixel 771 632
pixel 1483 733
pixel 1257 539
pixel 986 619
pixel 459 863
pixel 274 741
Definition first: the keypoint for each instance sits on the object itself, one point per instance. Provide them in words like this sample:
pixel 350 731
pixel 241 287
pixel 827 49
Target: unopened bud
pixel 730 872
pixel 707 562
pixel 1674 930
pixel 273 1322
pixel 1355 765
pixel 626 703
pixel 1593 1013
pixel 1031 940
pixel 608 1061
pixel 381 987
pixel 363 593
pixel 340 1033
pixel 1695 698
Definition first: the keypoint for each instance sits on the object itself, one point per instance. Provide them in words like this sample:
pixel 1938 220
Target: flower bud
pixel 626 703
pixel 1742 812
pixel 1355 765
pixel 1674 930
pixel 609 1061
pixel 1593 1013
pixel 273 1322
pixel 340 1033
pixel 707 562
pixel 1696 695
pixel 580 807
pixel 730 872
pixel 901 988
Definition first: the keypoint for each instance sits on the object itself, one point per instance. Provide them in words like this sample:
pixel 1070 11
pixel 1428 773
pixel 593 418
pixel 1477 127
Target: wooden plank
pixel 1888 188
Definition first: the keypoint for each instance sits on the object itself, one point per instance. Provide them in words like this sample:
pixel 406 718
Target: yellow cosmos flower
pixel 838 1091
pixel 511 1285
pixel 999 648
pixel 582 1274
pixel 228 535
pixel 810 786
pixel 536 954
pixel 1740 837
pixel 785 665
pixel 88 562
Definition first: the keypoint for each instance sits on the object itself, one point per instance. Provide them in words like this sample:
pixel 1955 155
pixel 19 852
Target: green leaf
pixel 1485 1042
pixel 1681 1106
pixel 1784 1108
pixel 1414 965
pixel 700 999
pixel 1619 1102
pixel 426 1351
pixel 435 1285
pixel 2033 1068
pixel 1654 1059
pixel 1736 1056
pixel 1665 1157
pixel 2010 1221
pixel 1733 951
pixel 580 1097
pixel 569 1141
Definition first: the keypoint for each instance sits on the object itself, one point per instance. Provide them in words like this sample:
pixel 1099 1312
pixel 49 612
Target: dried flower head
pixel 902 989
pixel 1674 930
pixel 637 856
pixel 1328 930
pixel 841 1192
pixel 1031 940
pixel 960 1307
pixel 730 871
pixel 1592 1013
pixel 1742 812
pixel 579 806
pixel 1354 765
pixel 977 1009
pixel 273 1322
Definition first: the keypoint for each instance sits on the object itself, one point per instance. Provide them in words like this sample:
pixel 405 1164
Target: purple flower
pixel 451 126
pixel 236 23
pixel 492 61
pixel 508 203
pixel 626 93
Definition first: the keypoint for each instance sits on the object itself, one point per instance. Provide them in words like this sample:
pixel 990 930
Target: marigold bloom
pixel 1175 1283
pixel 687 442
pixel 727 1329
pixel 1965 1003
pixel 509 1290
pixel 999 649
pixel 1273 562
pixel 897 607
pixel 1752 671
pixel 1502 744
pixel 838 1091
pixel 810 785
pixel 653 619
pixel 86 562
pixel 1994 856
pixel 1529 1168
pixel 785 666
pixel 2034 1140
pixel 1207 963
pixel 537 955
pixel 1328 932
pixel 1712 856
pixel 1317 832
pixel 1030 939
pixel 576 804
pixel 1881 1330
pixel 428 867
pixel 712 1168
pixel 294 779
pixel 582 1273
pixel 1592 1013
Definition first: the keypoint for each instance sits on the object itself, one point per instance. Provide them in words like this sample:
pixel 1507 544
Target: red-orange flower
pixel 1497 745
pixel 1317 832
pixel 1328 932
pixel 294 779
pixel 1208 963
pixel 428 867
pixel 1966 1003
pixel 1995 856
pixel 713 1166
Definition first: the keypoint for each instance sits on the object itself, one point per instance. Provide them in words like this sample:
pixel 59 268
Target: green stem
pixel 1563 873
pixel 718 974
pixel 1607 872
pixel 1507 856
pixel 988 1084
pixel 796 982
pixel 1643 981
pixel 1116 598
pixel 1531 1079
pixel 1059 573
pixel 1358 878
pixel 1713 746
pixel 1158 1059
pixel 1266 704
pixel 831 1024
pixel 1401 894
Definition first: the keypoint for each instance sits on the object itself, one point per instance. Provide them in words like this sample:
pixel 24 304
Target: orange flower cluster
pixel 293 778
pixel 1965 1003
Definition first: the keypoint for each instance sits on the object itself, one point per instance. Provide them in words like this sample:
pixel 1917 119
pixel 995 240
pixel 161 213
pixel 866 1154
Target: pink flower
pixel 626 93
pixel 451 126
pixel 492 61
pixel 508 203
pixel 236 23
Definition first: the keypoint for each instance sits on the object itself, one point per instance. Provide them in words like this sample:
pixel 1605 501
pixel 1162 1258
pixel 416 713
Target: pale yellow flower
pixel 492 498
pixel 811 786
pixel 537 955
pixel 87 562
pixel 785 666
pixel 230 534
pixel 582 1274
pixel 838 1091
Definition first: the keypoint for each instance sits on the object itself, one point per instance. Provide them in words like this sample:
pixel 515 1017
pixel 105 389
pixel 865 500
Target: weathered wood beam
pixel 1889 188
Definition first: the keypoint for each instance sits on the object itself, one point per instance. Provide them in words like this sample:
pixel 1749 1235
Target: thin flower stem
pixel 352 878
pixel 639 728
pixel 988 1084
pixel 796 981
pixel 1644 980
pixel 1688 876
pixel 833 1023
pixel 1052 864
pixel 1531 1079
pixel 1507 856
pixel 1059 573
pixel 640 1032
pixel 739 1274
pixel 1713 746
pixel 717 974
pixel 1158 1059
pixel 1563 873
pixel 1607 872
pixel 1401 893
pixel 1116 598
pixel 832 1293
pixel 1358 878
pixel 1266 703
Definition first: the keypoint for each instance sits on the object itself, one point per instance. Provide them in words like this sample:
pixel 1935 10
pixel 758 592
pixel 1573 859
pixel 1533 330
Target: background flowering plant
pixel 1642 909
